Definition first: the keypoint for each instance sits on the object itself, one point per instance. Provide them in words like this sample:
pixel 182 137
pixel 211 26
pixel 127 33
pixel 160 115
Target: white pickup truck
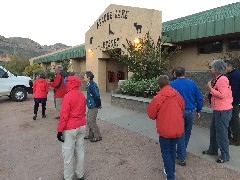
pixel 15 87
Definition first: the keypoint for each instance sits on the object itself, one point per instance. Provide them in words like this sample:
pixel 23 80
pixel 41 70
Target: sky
pixel 66 21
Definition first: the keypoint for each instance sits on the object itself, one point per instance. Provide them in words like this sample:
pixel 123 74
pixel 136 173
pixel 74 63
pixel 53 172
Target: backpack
pixel 64 76
pixel 65 81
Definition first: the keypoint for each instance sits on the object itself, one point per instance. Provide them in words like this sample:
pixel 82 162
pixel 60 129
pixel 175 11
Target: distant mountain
pixel 26 47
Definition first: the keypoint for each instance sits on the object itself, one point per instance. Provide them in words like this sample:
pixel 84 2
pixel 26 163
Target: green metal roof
pixel 213 22
pixel 69 53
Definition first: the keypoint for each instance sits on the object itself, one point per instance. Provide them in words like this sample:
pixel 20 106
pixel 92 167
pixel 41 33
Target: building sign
pixel 111 15
pixel 110 43
pixel 123 14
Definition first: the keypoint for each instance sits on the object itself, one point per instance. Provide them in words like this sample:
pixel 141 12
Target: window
pixel 169 48
pixel 211 47
pixel 2 72
pixel 233 45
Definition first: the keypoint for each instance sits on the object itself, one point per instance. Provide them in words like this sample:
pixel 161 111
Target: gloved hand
pixel 60 136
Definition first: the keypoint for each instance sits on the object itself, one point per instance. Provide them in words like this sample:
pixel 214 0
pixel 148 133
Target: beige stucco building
pixel 110 30
pixel 202 36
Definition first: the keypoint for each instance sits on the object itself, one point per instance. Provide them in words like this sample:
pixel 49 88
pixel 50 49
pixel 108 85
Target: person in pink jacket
pixel 71 128
pixel 40 91
pixel 167 109
pixel 221 102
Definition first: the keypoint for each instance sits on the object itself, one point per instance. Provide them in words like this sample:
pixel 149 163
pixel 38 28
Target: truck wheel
pixel 19 94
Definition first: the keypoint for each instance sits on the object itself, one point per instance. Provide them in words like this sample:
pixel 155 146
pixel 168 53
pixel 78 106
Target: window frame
pixel 210 47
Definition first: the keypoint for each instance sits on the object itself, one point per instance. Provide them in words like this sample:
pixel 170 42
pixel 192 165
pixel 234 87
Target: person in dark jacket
pixel 173 77
pixel 59 88
pixel 93 104
pixel 167 109
pixel 233 76
pixel 40 91
pixel 71 128
pixel 193 100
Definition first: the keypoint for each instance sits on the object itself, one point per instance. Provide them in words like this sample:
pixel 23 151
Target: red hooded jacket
pixel 73 107
pixel 167 107
pixel 61 91
pixel 40 88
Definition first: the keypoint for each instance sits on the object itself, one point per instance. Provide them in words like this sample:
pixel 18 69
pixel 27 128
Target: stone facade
pixel 201 78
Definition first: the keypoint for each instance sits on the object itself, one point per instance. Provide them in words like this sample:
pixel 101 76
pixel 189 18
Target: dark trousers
pixel 36 105
pixel 234 125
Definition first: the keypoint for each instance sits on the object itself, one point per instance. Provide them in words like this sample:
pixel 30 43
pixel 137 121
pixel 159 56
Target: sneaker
pixel 44 116
pixel 57 117
pixel 221 161
pixel 88 137
pixel 164 171
pixel 34 117
pixel 82 178
pixel 181 162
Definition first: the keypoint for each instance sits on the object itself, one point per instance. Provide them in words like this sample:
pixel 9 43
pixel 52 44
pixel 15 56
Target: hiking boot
pixel 181 162
pixel 34 117
pixel 44 116
pixel 96 139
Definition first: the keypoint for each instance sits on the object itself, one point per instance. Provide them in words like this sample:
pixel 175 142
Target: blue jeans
pixel 168 150
pixel 184 139
pixel 219 133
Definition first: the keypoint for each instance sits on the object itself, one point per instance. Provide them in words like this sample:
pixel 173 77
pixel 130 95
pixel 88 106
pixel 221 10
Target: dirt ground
pixel 29 150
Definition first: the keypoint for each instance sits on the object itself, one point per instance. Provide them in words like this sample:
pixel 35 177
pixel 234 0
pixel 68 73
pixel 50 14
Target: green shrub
pixel 144 87
pixel 31 68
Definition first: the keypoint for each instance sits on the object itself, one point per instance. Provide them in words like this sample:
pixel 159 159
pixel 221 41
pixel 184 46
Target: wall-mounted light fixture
pixel 136 40
pixel 137 43
pixel 90 50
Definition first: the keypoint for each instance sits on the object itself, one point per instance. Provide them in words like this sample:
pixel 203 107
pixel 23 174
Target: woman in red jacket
pixel 71 128
pixel 40 91
pixel 167 109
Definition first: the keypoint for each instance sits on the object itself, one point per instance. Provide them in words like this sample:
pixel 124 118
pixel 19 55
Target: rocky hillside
pixel 26 47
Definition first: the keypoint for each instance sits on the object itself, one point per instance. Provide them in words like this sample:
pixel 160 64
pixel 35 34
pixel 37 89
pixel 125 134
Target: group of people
pixel 174 108
pixel 180 100
pixel 70 104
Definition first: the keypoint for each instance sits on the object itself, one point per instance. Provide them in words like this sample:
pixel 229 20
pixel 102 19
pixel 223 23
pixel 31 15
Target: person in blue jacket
pixel 193 102
pixel 93 104
pixel 233 76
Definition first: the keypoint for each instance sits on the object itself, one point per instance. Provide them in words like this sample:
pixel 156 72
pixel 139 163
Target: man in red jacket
pixel 167 109
pixel 71 128
pixel 59 88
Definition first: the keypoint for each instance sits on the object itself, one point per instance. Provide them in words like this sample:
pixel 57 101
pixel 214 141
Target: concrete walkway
pixel 141 124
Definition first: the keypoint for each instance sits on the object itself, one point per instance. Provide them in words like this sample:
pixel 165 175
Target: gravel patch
pixel 29 150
